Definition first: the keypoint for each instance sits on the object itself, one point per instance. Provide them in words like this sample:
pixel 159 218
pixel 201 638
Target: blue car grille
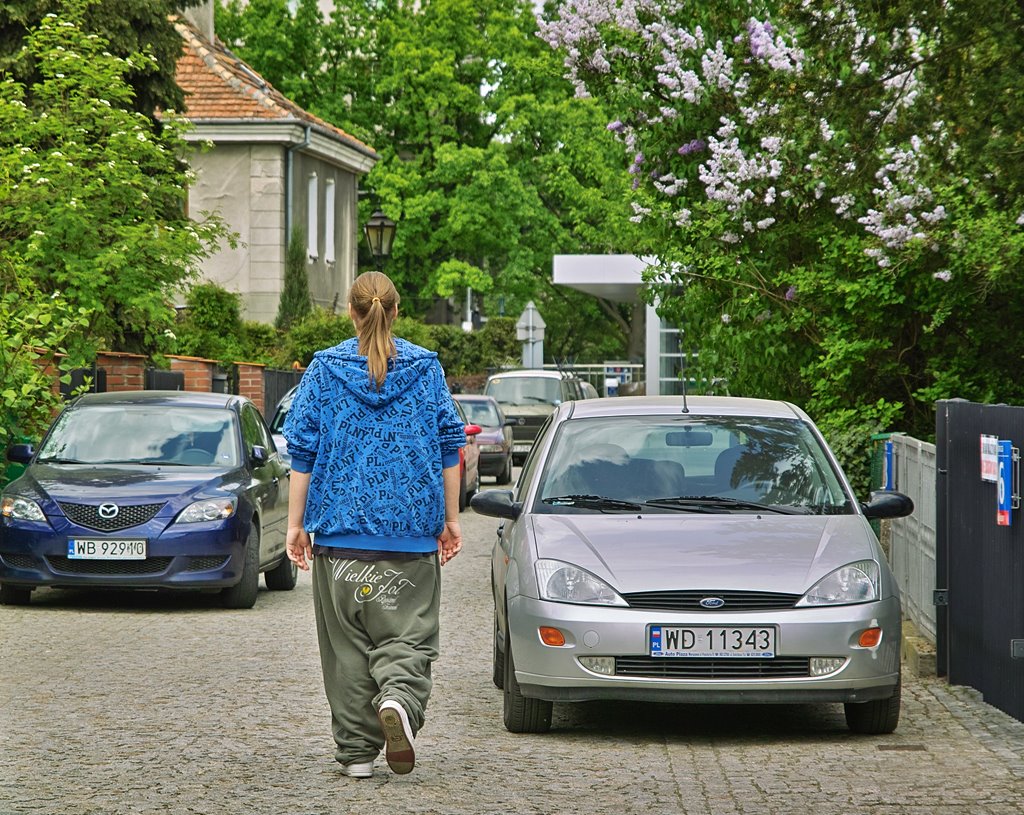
pixel 20 561
pixel 88 515
pixel 153 565
pixel 690 600
pixel 205 563
pixel 670 668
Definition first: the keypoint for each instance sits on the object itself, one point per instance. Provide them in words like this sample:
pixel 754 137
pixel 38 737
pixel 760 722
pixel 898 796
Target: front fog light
pixel 599 665
pixel 823 666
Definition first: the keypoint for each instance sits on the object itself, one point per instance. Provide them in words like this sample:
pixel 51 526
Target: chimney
pixel 201 17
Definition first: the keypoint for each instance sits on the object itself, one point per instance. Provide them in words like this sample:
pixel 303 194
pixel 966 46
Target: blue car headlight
pixel 21 509
pixel 210 509
pixel 853 583
pixel 565 583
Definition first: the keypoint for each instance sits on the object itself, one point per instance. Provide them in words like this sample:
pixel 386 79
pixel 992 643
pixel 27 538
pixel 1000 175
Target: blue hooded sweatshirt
pixel 375 456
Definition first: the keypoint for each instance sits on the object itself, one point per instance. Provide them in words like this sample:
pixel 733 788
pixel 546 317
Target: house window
pixel 329 220
pixel 312 216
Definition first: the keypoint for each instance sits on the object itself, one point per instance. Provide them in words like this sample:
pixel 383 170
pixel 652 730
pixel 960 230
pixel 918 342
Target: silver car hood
pixel 779 553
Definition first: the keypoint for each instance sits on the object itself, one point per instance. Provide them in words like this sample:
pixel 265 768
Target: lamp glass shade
pixel 380 234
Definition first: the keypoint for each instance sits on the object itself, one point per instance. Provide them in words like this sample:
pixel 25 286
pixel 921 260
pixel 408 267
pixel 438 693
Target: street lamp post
pixel 380 234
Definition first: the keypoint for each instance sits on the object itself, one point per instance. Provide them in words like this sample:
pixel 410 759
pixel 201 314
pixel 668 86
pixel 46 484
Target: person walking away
pixel 374 438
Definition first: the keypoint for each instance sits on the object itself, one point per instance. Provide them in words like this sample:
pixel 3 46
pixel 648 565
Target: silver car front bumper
pixel 556 674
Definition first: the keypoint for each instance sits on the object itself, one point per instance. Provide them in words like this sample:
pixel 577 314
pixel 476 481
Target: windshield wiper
pixel 709 501
pixel 148 461
pixel 58 460
pixel 593 502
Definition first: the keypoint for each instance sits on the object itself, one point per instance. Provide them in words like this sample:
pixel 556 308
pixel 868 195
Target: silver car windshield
pixel 689 464
pixel 129 434
pixel 524 390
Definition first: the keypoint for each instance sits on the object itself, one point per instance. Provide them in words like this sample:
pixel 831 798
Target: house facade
pixel 266 166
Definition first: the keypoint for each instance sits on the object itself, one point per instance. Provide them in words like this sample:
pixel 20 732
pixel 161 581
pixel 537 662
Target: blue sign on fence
pixel 889 478
pixel 1004 483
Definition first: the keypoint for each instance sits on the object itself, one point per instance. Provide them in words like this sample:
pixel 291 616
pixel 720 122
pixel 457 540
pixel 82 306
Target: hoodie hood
pixel 345 363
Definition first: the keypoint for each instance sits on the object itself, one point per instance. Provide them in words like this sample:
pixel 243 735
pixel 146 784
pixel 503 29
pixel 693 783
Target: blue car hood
pixel 776 553
pixel 137 484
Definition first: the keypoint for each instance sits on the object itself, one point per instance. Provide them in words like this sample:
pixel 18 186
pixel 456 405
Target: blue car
pixel 148 490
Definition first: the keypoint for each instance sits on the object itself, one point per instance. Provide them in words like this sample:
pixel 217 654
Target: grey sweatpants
pixel 377 623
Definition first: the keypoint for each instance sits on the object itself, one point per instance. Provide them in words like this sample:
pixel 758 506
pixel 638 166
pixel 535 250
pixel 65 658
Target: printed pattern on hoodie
pixel 375 456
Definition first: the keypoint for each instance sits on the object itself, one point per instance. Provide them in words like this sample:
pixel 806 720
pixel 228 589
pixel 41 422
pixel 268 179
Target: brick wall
pixel 198 372
pixel 125 372
pixel 250 383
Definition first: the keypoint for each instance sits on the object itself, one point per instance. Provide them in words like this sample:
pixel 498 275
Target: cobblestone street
pixel 159 703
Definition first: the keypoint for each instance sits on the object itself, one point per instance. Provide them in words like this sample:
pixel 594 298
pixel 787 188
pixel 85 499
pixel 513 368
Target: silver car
pixel 707 553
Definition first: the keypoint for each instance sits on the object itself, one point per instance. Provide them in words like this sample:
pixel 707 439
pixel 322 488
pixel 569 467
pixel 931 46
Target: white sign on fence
pixel 989 458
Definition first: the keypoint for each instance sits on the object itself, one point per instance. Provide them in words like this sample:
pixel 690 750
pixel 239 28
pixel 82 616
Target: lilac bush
pixel 806 199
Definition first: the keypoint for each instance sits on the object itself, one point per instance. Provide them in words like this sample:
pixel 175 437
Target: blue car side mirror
pixel 20 453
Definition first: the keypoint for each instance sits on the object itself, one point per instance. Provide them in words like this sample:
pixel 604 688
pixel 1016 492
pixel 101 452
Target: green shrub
pixel 320 329
pixel 260 342
pixel 211 326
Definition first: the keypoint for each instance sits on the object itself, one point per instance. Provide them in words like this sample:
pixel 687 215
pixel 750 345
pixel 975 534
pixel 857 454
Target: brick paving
pixel 144 703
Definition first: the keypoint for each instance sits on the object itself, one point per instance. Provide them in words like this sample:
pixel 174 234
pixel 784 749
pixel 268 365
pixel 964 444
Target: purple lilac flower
pixel 791 292
pixel 616 127
pixel 694 146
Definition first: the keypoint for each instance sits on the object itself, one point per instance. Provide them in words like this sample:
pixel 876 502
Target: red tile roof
pixel 220 86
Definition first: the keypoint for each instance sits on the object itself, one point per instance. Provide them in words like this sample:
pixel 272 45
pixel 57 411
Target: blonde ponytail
pixel 374 302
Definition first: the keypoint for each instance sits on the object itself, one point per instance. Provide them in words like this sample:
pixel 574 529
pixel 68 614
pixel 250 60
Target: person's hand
pixel 449 542
pixel 299 547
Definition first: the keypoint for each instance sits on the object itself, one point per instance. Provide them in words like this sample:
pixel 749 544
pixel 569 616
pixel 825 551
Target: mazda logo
pixel 109 511
pixel 712 602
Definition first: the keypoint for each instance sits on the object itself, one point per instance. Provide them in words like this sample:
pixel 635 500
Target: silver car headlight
pixel 852 583
pixel 212 509
pixel 565 583
pixel 21 509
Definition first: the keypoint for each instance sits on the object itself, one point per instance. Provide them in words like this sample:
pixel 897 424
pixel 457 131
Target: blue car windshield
pixel 139 434
pixel 691 463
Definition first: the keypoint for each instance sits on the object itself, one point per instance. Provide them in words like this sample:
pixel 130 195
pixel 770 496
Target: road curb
pixel 917 652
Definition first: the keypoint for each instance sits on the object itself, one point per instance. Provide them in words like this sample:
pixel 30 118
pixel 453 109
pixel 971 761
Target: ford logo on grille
pixel 108 511
pixel 712 602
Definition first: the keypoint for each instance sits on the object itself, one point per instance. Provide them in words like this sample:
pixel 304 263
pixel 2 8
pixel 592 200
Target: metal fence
pixel 912 542
pixel 275 385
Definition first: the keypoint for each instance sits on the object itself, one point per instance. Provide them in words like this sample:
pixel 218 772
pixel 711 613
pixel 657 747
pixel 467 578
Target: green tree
pixel 95 204
pixel 488 161
pixel 127 26
pixel 295 300
pixel 39 339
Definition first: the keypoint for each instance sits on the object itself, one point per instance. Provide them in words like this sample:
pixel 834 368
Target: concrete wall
pixel 244 183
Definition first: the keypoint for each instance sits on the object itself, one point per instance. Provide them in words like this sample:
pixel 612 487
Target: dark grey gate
pixel 979 565
pixel 275 385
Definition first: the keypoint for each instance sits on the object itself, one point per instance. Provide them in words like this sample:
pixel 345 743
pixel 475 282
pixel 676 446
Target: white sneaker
pixel 394 721
pixel 358 769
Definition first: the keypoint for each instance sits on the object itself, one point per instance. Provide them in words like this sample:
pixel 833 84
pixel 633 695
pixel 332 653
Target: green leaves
pixel 93 193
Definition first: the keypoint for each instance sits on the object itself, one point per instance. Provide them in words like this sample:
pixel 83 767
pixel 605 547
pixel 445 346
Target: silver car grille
pixel 88 515
pixel 690 600
pixel 734 668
